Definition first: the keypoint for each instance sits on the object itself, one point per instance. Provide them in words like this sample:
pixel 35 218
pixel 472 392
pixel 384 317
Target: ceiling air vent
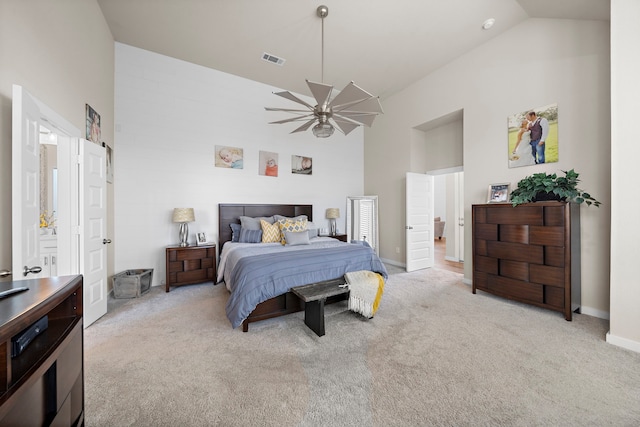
pixel 273 59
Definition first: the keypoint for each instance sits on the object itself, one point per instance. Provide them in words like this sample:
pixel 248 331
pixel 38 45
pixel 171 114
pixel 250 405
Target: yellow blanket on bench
pixel 365 291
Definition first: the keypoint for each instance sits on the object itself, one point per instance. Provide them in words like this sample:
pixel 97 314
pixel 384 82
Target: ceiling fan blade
pixel 289 110
pixel 371 105
pixel 320 91
pixel 292 119
pixel 304 126
pixel 288 95
pixel 349 95
pixel 364 118
pixel 344 125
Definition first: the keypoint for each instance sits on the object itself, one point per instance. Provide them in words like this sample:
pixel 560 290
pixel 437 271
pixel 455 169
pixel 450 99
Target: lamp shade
pixel 333 213
pixel 183 215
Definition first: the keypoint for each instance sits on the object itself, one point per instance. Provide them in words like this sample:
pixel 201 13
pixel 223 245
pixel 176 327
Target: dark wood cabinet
pixel 44 384
pixel 189 265
pixel 529 253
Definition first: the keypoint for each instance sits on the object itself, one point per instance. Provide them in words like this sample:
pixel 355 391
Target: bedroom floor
pixel 440 249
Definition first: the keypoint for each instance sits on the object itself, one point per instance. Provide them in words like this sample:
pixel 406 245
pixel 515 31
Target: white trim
pixel 55 122
pixel 445 171
pixel 594 313
pixel 467 281
pixel 452 259
pixel 623 342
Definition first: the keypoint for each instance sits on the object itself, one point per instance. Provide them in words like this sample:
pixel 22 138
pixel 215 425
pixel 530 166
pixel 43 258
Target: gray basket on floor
pixel 132 283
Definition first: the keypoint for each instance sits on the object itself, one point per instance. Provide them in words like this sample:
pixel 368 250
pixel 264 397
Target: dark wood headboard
pixel 229 214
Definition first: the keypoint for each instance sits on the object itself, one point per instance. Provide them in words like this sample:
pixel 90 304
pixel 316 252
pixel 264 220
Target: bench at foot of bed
pixel 285 304
pixel 314 297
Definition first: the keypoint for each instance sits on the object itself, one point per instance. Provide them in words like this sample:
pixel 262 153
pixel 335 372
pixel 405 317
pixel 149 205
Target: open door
pixel 419 221
pixel 25 186
pixel 93 229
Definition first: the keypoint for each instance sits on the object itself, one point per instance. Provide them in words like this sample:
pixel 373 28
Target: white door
pixel 93 229
pixel 25 187
pixel 459 237
pixel 419 221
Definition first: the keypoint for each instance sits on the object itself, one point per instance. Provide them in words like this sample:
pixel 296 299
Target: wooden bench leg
pixel 245 326
pixel 314 316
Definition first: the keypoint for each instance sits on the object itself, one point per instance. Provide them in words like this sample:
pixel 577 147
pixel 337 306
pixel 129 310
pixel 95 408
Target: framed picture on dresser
pixel 498 193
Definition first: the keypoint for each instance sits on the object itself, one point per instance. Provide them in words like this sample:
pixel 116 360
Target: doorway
pixel 78 194
pixel 437 148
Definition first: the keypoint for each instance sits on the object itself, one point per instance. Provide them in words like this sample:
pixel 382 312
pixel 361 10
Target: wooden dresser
pixel 529 253
pixel 44 384
pixel 190 264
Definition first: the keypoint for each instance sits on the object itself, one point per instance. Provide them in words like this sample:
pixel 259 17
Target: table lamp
pixel 331 215
pixel 183 216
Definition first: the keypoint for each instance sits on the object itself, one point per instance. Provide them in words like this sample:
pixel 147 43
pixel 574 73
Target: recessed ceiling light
pixel 488 23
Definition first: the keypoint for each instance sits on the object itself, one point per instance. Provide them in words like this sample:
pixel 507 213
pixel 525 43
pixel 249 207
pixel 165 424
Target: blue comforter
pixel 269 270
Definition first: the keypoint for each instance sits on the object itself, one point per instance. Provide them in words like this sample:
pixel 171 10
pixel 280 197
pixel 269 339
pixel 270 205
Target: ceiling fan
pixel 352 107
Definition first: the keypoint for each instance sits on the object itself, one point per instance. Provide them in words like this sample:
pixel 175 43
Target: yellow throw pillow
pixel 290 225
pixel 270 232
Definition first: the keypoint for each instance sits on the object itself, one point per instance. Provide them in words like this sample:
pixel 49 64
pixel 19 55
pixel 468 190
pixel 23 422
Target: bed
pixel 255 296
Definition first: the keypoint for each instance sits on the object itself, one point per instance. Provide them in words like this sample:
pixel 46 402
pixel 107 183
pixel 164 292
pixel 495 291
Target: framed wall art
pixel 301 165
pixel 533 136
pixel 229 157
pixel 92 132
pixel 268 163
pixel 109 154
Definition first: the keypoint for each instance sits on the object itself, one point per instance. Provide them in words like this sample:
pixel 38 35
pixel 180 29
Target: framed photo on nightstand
pixel 201 239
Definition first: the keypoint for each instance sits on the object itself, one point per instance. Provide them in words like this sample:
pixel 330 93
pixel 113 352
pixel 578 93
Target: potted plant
pixel 542 186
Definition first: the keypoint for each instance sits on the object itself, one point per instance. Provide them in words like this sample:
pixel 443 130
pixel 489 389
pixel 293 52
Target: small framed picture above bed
pixel 301 165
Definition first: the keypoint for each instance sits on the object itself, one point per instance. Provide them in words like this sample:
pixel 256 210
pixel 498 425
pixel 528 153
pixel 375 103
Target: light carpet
pixel 435 354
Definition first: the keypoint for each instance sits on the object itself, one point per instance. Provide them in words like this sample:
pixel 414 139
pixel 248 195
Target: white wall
pixel 569 65
pixel 170 115
pixel 625 151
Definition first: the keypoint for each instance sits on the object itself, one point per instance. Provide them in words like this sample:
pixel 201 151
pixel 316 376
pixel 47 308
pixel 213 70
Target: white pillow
pixel 295 238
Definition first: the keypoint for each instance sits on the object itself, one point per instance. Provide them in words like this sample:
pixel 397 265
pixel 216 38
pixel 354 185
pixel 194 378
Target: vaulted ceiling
pixel 381 45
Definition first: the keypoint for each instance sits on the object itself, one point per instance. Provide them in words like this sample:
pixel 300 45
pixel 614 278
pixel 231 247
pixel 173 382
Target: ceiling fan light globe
pixel 322 130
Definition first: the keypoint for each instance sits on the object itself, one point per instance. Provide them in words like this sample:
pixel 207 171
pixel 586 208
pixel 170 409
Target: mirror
pixel 48 183
pixel 362 220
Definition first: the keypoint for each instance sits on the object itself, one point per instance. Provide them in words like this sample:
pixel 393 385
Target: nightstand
pixel 190 264
pixel 341 237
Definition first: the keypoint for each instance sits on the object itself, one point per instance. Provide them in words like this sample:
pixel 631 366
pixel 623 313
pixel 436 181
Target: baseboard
pixel 467 281
pixel 392 262
pixel 452 259
pixel 623 342
pixel 594 313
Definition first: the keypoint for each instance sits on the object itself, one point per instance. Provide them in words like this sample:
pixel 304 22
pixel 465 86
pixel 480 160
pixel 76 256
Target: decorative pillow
pixel 312 229
pixel 295 218
pixel 250 236
pixel 235 232
pixel 270 232
pixel 254 223
pixel 290 225
pixel 295 238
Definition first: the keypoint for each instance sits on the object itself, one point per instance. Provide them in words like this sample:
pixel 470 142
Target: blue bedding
pixel 257 272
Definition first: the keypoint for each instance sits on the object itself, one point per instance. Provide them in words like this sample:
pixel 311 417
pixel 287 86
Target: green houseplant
pixel 543 186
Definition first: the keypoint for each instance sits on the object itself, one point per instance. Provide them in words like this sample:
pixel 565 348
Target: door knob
pixel 5 273
pixel 35 270
pixel 105 241
pixel 408 227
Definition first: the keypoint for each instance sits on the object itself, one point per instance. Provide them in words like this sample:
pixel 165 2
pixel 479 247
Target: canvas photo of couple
pixel 533 136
